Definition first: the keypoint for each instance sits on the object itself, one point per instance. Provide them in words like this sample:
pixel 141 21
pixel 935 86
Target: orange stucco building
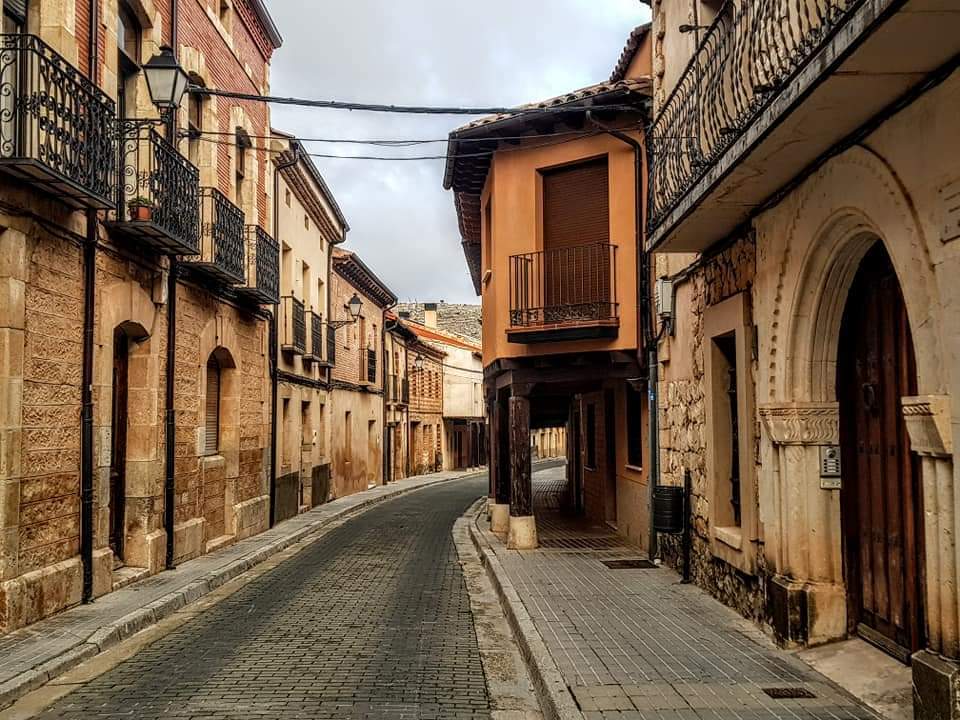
pixel 551 224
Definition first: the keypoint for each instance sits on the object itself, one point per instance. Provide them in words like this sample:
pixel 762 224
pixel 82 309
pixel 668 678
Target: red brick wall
pixel 347 368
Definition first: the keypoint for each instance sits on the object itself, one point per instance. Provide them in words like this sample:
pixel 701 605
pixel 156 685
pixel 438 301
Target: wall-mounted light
pixel 418 362
pixel 663 292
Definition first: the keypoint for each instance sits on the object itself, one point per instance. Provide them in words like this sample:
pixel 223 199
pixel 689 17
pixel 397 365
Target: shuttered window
pixel 17 10
pixel 212 415
pixel 576 230
pixel 576 205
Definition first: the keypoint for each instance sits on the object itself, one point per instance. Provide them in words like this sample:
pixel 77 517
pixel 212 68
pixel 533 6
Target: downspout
pixel 86 390
pixel 86 394
pixel 647 350
pixel 170 418
pixel 274 340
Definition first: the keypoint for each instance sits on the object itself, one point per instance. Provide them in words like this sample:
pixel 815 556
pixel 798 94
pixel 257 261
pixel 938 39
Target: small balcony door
pixel 576 233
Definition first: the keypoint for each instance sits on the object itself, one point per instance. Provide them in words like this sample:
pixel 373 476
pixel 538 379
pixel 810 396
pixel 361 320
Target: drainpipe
pixel 86 395
pixel 275 339
pixel 170 418
pixel 647 352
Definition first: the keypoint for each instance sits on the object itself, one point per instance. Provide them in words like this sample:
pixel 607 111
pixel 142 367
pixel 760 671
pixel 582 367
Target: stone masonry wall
pixel 451 317
pixel 683 440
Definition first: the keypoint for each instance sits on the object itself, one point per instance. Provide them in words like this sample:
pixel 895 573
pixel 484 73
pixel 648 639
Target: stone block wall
pixel 683 429
pixel 462 319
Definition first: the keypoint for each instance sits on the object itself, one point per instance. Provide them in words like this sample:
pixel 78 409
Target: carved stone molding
pixel 928 419
pixel 806 423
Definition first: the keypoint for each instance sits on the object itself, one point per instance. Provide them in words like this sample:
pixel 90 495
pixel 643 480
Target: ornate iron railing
pixel 371 365
pixel 316 336
pixel 294 326
pixel 57 129
pixel 158 197
pixel 745 59
pixel 263 267
pixel 331 346
pixel 564 286
pixel 221 237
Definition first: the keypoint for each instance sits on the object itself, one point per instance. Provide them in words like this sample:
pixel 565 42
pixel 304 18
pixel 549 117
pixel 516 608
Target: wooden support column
pixel 523 527
pixel 499 467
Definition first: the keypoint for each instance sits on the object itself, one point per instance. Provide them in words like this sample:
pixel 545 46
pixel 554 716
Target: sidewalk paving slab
pixel 602 643
pixel 32 656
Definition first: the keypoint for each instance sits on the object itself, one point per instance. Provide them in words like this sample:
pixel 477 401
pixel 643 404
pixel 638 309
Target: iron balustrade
pixel 57 129
pixel 294 326
pixel 316 336
pixel 743 62
pixel 263 267
pixel 564 286
pixel 331 346
pixel 221 238
pixel 371 365
pixel 158 197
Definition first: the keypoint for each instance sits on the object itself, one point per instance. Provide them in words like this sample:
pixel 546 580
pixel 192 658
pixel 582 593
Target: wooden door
pixel 118 450
pixel 610 439
pixel 880 500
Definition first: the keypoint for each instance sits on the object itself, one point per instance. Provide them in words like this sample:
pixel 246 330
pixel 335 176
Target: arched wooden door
pixel 880 499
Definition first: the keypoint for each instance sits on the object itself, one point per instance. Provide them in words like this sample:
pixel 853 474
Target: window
pixel 14 16
pixel 348 435
pixel 243 145
pixel 731 486
pixel 212 416
pixel 285 452
pixel 305 284
pixel 194 121
pixel 591 441
pixel 224 14
pixel 306 222
pixel 634 401
pixel 488 235
pixel 286 197
pixel 128 61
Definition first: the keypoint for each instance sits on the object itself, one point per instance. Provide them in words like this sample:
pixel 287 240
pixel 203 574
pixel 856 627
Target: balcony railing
pixel 263 267
pixel 371 366
pixel 564 294
pixel 158 198
pixel 221 238
pixel 294 326
pixel 57 129
pixel 743 62
pixel 315 346
pixel 331 346
pixel 398 390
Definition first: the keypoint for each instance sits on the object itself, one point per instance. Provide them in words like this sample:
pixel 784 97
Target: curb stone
pixel 555 698
pixel 107 636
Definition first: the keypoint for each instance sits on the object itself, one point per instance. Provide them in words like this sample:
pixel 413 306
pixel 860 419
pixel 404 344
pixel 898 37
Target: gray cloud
pixel 427 52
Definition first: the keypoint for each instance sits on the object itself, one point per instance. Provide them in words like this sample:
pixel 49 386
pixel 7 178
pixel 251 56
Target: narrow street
pixel 371 621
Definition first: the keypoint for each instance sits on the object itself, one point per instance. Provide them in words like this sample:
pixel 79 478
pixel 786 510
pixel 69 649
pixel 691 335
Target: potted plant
pixel 141 209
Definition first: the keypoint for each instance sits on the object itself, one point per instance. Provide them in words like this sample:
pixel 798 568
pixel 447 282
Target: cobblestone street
pixel 371 621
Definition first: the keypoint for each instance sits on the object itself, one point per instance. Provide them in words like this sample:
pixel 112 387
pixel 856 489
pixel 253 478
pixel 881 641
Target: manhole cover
pixel 789 693
pixel 629 564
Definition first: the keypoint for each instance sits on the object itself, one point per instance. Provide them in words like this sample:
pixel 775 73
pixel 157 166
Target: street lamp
pixel 166 80
pixel 354 306
pixel 418 362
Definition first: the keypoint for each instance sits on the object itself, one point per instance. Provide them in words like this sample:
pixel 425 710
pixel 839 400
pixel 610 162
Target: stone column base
pixel 500 519
pixel 490 503
pixel 147 550
pixel 806 614
pixel 102 571
pixel 41 593
pixel 936 687
pixel 523 533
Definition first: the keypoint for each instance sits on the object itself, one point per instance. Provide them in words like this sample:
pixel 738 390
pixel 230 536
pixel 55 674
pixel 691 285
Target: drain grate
pixel 629 564
pixel 789 693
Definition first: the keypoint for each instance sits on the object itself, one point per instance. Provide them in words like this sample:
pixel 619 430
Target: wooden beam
pixel 521 486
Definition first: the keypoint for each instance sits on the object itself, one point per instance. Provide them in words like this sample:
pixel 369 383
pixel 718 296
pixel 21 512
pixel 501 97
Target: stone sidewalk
pixel 605 642
pixel 34 655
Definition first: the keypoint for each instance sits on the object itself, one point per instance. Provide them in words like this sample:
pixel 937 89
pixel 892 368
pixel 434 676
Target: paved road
pixel 371 621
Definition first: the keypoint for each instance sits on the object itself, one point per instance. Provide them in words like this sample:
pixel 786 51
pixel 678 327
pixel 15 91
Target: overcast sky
pixel 427 52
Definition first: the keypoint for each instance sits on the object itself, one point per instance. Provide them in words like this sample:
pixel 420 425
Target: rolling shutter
pixel 212 414
pixel 576 230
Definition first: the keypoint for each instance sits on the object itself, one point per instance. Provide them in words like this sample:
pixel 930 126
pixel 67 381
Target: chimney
pixel 430 315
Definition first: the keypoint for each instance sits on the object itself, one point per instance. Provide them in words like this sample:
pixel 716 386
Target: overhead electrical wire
pixel 399 109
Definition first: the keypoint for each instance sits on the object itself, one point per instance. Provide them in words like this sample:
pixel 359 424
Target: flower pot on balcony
pixel 141 210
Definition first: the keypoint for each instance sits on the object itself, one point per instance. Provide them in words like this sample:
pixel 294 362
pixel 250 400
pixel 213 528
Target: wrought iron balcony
pixel 564 294
pixel 772 86
pixel 158 198
pixel 294 339
pixel 262 284
pixel 371 366
pixel 57 129
pixel 314 351
pixel 398 390
pixel 221 238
